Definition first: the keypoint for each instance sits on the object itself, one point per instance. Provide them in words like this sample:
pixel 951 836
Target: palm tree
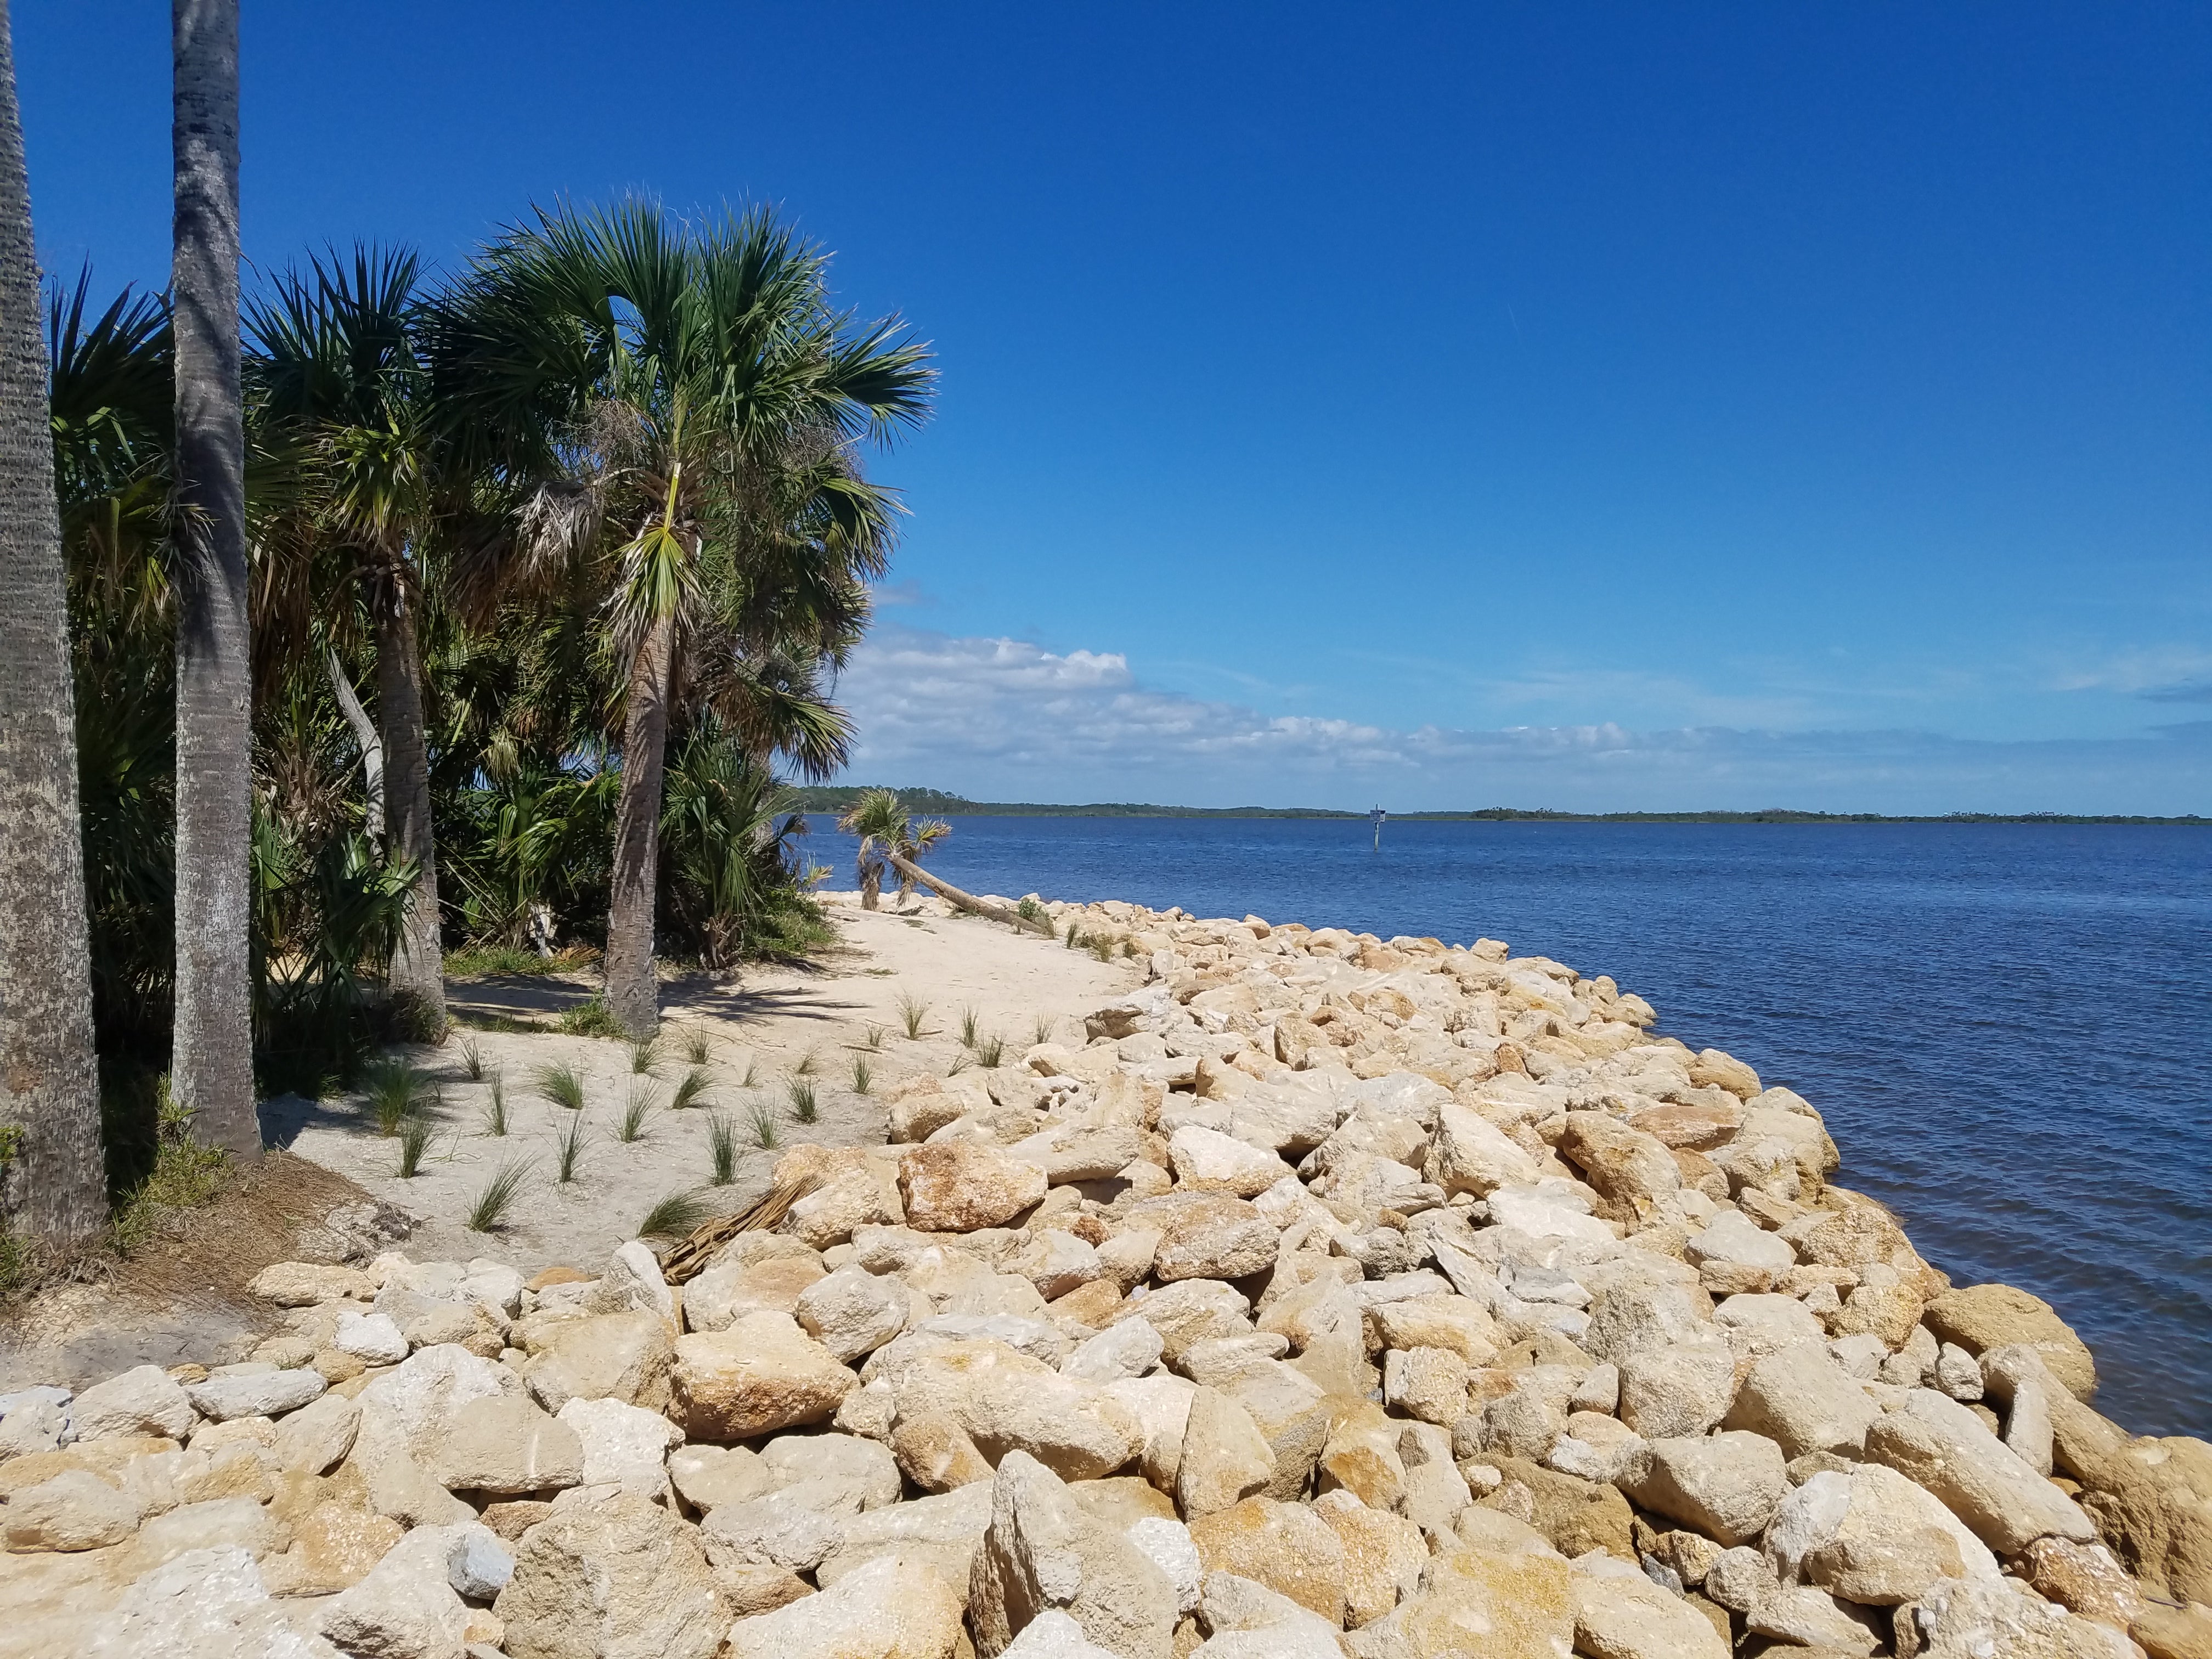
pixel 212 1073
pixel 691 406
pixel 880 820
pixel 338 382
pixel 51 1175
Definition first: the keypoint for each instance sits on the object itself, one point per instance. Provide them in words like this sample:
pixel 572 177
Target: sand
pixel 761 1031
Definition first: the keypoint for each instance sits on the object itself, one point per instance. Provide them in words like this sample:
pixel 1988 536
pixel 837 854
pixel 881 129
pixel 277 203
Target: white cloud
pixel 1005 719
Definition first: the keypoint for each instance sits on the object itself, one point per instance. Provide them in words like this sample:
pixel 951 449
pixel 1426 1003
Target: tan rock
pixel 1623 1163
pixel 145 1400
pixel 1384 1555
pixel 2085 1578
pixel 1693 1126
pixel 1285 1547
pixel 2174 1633
pixel 1621 1614
pixel 749 1587
pixel 727 1292
pixel 622 1579
pixel 1467 1153
pixel 302 1283
pixel 1185 1313
pixel 1223 1456
pixel 1206 1236
pixel 956 1187
pixel 761 1374
pixel 1574 1515
pixel 1360 1455
pixel 1476 1605
pixel 1942 1445
pixel 1043 1553
pixel 1427 1384
pixel 1801 1400
pixel 1005 1401
pixel 1206 1160
pixel 333 1547
pixel 1727 1485
pixel 508 1446
pixel 889 1609
pixel 1713 1067
pixel 74 1510
pixel 1984 1316
pixel 1452 1323
pixel 621 1356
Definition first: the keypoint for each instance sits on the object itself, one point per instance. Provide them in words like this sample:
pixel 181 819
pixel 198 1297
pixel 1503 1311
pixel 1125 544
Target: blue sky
pixel 1591 406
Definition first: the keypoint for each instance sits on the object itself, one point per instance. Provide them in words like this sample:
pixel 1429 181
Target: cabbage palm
pixel 337 381
pixel 879 818
pixel 689 406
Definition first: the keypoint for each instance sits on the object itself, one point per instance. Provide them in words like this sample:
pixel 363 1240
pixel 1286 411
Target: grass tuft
pixel 674 1215
pixel 1102 946
pixel 495 1106
pixel 691 1089
pixel 863 1079
pixel 644 1057
pixel 961 1062
pixel 472 1060
pixel 562 1084
pixel 397 1093
pixel 415 1137
pixel 591 1019
pixel 722 1148
pixel 990 1051
pixel 804 1109
pixel 767 1131
pixel 487 1211
pixel 568 1149
pixel 970 1026
pixel 698 1047
pixel 912 1011
pixel 874 1038
pixel 1041 1032
pixel 806 1066
pixel 1074 940
pixel 634 1111
pixel 751 1079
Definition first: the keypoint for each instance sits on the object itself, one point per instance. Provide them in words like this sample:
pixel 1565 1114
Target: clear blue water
pixel 2007 1027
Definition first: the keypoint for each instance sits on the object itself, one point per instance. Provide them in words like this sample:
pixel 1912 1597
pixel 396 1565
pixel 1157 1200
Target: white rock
pixel 1053 1635
pixel 208 1604
pixel 262 1394
pixel 1167 1544
pixel 625 1445
pixel 632 1282
pixel 1127 1350
pixel 372 1338
pixel 852 1311
pixel 145 1400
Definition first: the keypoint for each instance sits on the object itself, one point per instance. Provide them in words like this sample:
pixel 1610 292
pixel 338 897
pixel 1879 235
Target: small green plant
pixel 1040 1030
pixel 396 1092
pixel 568 1149
pixel 874 1038
pixel 645 1056
pixel 635 1110
pixel 476 961
pixel 487 1211
pixel 863 1079
pixel 1029 910
pixel 561 1084
pixel 698 1047
pixel 961 1062
pixel 766 1130
pixel 415 1137
pixel 804 1109
pixel 751 1079
pixel 1129 949
pixel 472 1060
pixel 1074 940
pixel 990 1051
pixel 806 1066
pixel 691 1089
pixel 592 1018
pixel 968 1028
pixel 1102 946
pixel 495 1104
pixel 674 1215
pixel 912 1011
pixel 722 1147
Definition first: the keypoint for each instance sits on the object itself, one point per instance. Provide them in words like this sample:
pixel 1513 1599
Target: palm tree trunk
pixel 418 963
pixel 910 873
pixel 372 747
pixel 633 993
pixel 211 1069
pixel 52 1183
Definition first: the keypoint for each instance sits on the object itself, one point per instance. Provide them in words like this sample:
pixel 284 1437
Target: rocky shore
pixel 1338 1296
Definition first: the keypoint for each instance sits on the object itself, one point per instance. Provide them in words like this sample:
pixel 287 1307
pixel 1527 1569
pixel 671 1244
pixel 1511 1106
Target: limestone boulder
pixel 619 1356
pixel 1206 1236
pixel 333 1547
pixel 1206 1160
pixel 207 1604
pixel 761 1374
pixel 1942 1445
pixel 729 1290
pixel 1803 1401
pixel 255 1393
pixel 958 1186
pixel 1006 1402
pixel 1384 1555
pixel 625 1446
pixel 847 1189
pixel 144 1400
pixel 622 1579
pixel 939 1532
pixel 303 1284
pixel 1727 1485
pixel 1474 1604
pixel 1161 1406
pixel 404 1609
pixel 1869 1537
pixel 1041 1552
pixel 372 1338
pixel 1285 1547
pixel 632 1282
pixel 1624 1164
pixel 317 1436
pixel 1621 1614
pixel 1980 1317
pixel 1221 1455
pixel 1681 1389
pixel 891 1608
pixel 507 1445
pixel 1188 1312
pixel 1467 1153
pixel 74 1510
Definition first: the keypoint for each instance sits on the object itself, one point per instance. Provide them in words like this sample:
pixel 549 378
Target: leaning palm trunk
pixel 417 960
pixel 911 873
pixel 633 993
pixel 51 1183
pixel 371 748
pixel 211 1071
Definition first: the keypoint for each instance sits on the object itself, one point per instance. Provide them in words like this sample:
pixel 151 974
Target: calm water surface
pixel 2007 1027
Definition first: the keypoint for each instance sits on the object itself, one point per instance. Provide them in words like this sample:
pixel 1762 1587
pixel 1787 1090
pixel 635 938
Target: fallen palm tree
pixel 968 901
pixel 691 1257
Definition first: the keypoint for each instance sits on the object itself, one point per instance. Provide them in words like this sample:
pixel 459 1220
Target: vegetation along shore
pixel 1206 1287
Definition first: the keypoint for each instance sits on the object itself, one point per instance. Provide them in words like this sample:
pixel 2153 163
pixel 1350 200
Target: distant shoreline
pixel 834 797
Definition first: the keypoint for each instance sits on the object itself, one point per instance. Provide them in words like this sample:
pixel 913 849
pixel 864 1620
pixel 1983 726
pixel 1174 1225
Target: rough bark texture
pixel 418 961
pixel 49 1086
pixel 212 1063
pixel 633 993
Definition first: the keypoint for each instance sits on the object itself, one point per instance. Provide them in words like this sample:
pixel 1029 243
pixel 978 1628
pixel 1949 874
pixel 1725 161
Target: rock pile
pixel 1339 1297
